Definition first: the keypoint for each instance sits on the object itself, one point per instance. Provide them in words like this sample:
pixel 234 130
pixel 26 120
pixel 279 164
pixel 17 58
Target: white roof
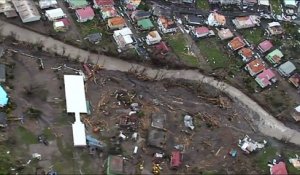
pixel 297 108
pixel 75 94
pixel 57 24
pixel 128 39
pixel 290 3
pixel 47 3
pixel 27 10
pixel 55 13
pixel 79 137
pixel 273 24
pixel 123 32
pixel 2 1
pixel 263 2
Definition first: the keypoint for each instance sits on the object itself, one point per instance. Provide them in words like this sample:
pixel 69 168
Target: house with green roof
pixel 145 24
pixel 274 57
pixel 75 4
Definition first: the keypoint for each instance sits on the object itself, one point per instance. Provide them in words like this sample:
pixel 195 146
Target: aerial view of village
pixel 149 87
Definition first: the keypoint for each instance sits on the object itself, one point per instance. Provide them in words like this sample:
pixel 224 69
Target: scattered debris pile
pixel 248 145
pixel 295 162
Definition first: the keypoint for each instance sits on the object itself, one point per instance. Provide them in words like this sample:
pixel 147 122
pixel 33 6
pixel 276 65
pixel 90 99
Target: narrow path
pixel 266 123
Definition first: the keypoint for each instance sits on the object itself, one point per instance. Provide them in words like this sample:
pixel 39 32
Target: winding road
pixel 265 122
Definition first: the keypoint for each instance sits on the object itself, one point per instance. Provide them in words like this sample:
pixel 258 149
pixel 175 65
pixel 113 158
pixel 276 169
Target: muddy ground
pixel 37 96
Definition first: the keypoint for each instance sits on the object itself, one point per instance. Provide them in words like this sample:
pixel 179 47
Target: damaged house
pixel 123 38
pixel 27 10
pixel 246 54
pixel 236 43
pixel 275 57
pixel 255 67
pixel 166 25
pixel 200 32
pixel 225 34
pixel 215 19
pixel 157 134
pixel 266 78
pixel 295 80
pixel 274 28
pixel 246 21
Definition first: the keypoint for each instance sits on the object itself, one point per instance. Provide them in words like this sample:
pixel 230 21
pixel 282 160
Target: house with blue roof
pixel 3 97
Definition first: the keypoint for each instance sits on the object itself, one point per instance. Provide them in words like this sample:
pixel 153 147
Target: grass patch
pixel 265 155
pixel 26 136
pixel 179 46
pixel 291 154
pixel 48 133
pixel 202 4
pixel 254 36
pixel 210 48
pixel 65 149
pixel 276 6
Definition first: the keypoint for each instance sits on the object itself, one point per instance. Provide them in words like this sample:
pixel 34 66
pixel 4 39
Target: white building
pixel 123 38
pixel 54 14
pixel 264 2
pixel 153 38
pixel 44 4
pixel 26 10
pixel 76 103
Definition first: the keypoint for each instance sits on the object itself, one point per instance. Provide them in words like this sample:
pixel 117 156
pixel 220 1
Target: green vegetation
pixel 254 36
pixel 90 27
pixel 33 113
pixel 6 160
pixel 47 132
pixel 276 6
pixel 269 153
pixel 26 136
pixel 202 4
pixel 179 46
pixel 291 154
pixel 65 149
pixel 210 48
pixel 265 155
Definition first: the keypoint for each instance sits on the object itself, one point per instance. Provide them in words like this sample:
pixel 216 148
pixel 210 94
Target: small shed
pixel 176 159
pixel 2 73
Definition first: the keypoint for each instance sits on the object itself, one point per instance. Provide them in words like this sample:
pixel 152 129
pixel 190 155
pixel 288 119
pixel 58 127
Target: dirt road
pixel 265 122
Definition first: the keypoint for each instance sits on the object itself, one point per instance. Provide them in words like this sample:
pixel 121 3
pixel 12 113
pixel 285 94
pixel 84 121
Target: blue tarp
pixel 3 97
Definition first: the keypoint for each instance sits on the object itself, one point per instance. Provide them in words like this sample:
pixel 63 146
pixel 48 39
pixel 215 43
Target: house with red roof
pixel 246 54
pixel 85 14
pixel 103 3
pixel 265 46
pixel 255 67
pixel 278 169
pixel 61 25
pixel 200 32
pixel 166 25
pixel 176 159
pixel 162 48
pixel 295 80
pixel 236 43
pixel 266 78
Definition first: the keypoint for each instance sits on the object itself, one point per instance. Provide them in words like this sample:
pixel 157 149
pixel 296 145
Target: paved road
pixel 265 122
